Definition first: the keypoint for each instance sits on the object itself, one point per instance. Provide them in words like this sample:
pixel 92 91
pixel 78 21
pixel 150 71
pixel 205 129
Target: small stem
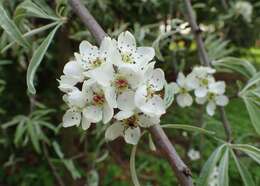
pixel 225 124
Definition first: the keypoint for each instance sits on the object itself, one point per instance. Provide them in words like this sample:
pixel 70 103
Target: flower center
pixel 183 90
pixel 211 96
pixel 131 122
pixel 127 58
pixel 204 81
pixel 121 83
pixel 98 99
pixel 96 63
pixel 150 91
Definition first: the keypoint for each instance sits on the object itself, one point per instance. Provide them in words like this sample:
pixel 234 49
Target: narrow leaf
pixel 37 58
pixel 168 95
pixel 250 150
pixel 209 166
pixel 11 29
pixel 33 136
pixel 223 169
pixel 188 127
pixel 244 173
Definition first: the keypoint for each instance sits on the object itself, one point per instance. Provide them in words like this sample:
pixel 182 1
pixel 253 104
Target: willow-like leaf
pixel 11 29
pixel 37 58
pixel 188 127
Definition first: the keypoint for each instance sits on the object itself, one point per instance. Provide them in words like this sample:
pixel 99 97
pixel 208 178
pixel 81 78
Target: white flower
pixel 182 88
pixel 119 85
pixel 128 55
pixel 74 117
pixel 128 126
pixel 215 96
pixel 200 78
pixel 146 97
pixel 91 57
pixel 97 108
pixel 72 75
pixel 193 154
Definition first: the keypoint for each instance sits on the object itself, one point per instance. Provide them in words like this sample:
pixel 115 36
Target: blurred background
pixel 36 151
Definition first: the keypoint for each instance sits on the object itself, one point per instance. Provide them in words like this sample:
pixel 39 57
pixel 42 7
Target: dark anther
pixel 186 171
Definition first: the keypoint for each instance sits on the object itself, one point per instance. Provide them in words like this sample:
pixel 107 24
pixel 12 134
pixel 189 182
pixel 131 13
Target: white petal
pixel 144 55
pixel 217 87
pixel 85 123
pixel 176 88
pixel 201 92
pixel 184 100
pixel 154 106
pixel 126 42
pixel 71 118
pixel 221 100
pixel 76 98
pixel 211 106
pixel 93 113
pixel 148 121
pixel 132 135
pixel 134 78
pixel 123 115
pixel 125 100
pixel 140 96
pixel 181 79
pixel 106 46
pixel 114 57
pixel 108 113
pixel 88 51
pixel 110 95
pixel 103 74
pixel 114 131
pixel 73 69
pixel 192 82
pixel 201 100
pixel 148 70
pixel 157 79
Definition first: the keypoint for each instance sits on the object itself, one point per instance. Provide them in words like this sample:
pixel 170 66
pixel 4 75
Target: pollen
pixel 127 59
pixel 98 99
pixel 121 83
pixel 131 122
pixel 96 63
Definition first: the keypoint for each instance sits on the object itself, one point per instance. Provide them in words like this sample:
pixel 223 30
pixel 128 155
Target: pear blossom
pixel 72 75
pixel 74 116
pixel 182 89
pixel 214 97
pixel 97 108
pixel 193 154
pixel 147 98
pixel 128 125
pixel 127 54
pixel 200 78
pixel 119 85
pixel 91 57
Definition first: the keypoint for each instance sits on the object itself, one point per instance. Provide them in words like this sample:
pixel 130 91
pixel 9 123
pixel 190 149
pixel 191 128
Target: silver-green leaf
pixel 11 29
pixel 37 58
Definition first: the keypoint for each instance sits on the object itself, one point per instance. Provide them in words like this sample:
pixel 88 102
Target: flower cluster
pixel 117 80
pixel 206 89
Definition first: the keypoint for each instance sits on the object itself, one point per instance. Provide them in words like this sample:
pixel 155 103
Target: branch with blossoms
pixel 140 60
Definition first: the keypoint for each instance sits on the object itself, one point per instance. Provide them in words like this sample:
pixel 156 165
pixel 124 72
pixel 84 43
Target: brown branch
pixel 225 124
pixel 197 34
pixel 88 20
pixel 182 172
pixel 53 168
pixel 205 60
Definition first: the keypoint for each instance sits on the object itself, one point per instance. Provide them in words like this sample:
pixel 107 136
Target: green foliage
pixel 28 131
